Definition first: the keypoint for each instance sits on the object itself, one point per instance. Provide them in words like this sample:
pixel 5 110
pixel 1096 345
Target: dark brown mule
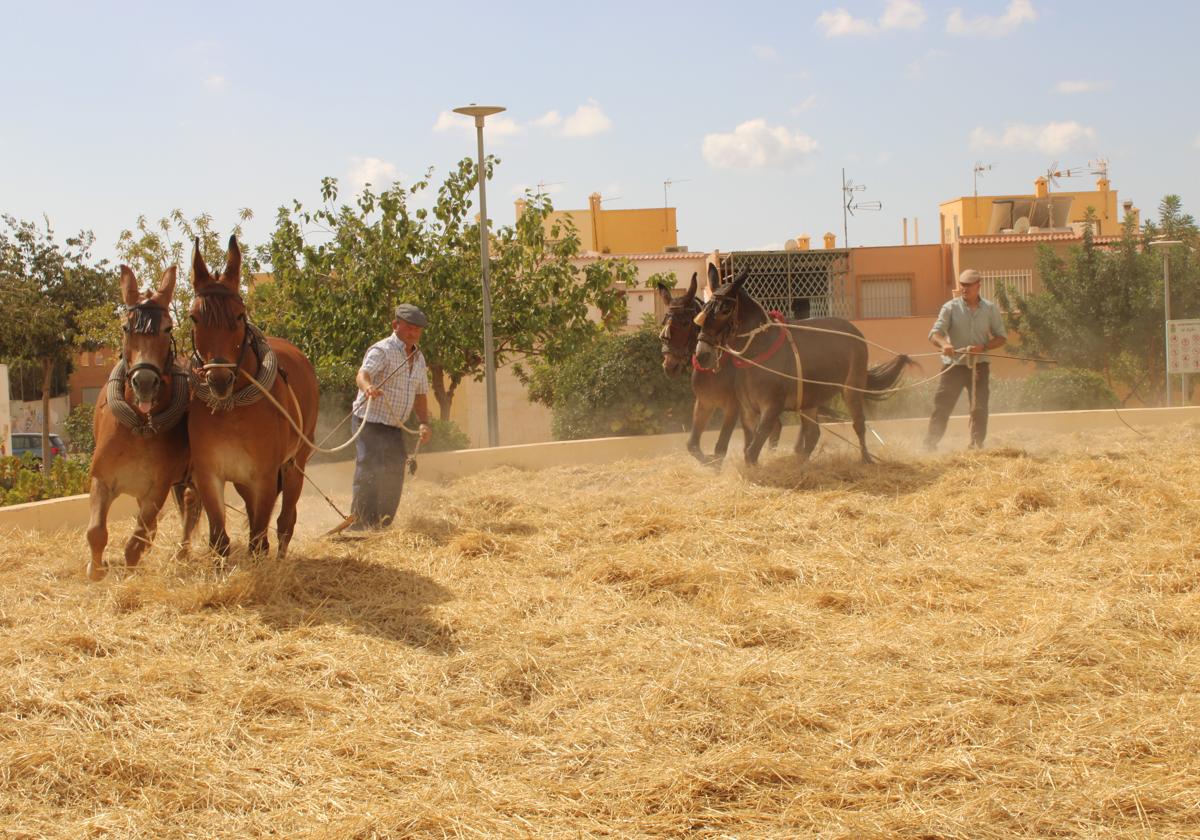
pixel 140 433
pixel 713 388
pixel 833 357
pixel 237 434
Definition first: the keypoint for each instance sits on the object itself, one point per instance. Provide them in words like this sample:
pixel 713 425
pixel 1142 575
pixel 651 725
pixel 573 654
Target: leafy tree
pixel 49 291
pixel 79 429
pixel 614 385
pixel 334 292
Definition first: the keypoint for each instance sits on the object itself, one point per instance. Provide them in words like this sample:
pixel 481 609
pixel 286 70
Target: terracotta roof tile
pixel 1026 238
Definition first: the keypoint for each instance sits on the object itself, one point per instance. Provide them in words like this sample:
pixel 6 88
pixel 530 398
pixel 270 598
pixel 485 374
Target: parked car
pixel 31 442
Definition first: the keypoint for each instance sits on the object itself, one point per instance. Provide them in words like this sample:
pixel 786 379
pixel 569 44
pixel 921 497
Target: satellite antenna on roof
pixel 849 188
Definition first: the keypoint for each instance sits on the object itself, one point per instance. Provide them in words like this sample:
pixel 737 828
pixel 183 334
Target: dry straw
pixel 981 645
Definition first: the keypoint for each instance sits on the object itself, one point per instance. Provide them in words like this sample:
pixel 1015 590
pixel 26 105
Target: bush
pixel 447 436
pixel 615 386
pixel 78 429
pixel 1066 389
pixel 21 479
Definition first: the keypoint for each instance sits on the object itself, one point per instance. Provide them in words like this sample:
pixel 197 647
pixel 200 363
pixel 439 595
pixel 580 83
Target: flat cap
pixel 411 314
pixel 968 277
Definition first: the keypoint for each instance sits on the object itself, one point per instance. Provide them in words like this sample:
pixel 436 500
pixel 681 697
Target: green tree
pixel 49 292
pixel 340 270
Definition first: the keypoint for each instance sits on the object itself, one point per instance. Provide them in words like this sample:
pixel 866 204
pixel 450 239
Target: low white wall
pixel 71 513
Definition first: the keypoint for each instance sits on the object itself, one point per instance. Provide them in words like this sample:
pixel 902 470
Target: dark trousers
pixel 378 473
pixel 951 384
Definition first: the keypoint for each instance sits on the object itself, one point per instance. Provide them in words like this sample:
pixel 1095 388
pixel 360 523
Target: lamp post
pixel 480 112
pixel 1165 245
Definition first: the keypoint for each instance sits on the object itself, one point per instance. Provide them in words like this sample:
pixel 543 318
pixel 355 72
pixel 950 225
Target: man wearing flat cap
pixel 394 377
pixel 966 329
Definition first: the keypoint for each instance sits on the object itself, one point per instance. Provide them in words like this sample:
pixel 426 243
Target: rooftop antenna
pixel 980 167
pixel 666 186
pixel 1099 166
pixel 541 186
pixel 1054 173
pixel 849 188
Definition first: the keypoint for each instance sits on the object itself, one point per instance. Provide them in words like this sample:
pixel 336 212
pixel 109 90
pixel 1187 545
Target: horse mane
pixel 147 318
pixel 218 308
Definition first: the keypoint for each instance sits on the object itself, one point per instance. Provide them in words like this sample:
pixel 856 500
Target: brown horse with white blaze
pixel 139 429
pixel 237 434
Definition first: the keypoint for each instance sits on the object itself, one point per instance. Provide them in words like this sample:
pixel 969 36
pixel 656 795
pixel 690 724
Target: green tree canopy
pixel 50 291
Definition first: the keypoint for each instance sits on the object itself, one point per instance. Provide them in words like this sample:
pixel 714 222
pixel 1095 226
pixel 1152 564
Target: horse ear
pixel 231 275
pixel 664 293
pixel 691 295
pixel 129 289
pixel 166 287
pixel 714 278
pixel 740 279
pixel 200 275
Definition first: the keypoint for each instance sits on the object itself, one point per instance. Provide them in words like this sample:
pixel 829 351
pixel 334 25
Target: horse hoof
pixel 96 571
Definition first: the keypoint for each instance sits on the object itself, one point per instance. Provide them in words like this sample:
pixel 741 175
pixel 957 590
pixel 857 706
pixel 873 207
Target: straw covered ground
pixel 973 645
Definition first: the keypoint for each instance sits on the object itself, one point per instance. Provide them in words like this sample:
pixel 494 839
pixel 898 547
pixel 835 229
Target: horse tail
pixel 883 376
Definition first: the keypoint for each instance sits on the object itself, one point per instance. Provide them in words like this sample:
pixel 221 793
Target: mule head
pixel 719 318
pixel 219 321
pixel 678 335
pixel 147 347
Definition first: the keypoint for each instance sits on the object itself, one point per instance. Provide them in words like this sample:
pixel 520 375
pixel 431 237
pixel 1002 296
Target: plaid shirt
pixel 400 389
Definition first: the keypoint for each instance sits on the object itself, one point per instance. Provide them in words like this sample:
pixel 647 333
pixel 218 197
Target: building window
pixel 886 295
pixel 1016 281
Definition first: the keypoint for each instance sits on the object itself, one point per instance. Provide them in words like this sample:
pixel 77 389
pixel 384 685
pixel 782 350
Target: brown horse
pixel 832 356
pixel 141 439
pixel 240 436
pixel 713 388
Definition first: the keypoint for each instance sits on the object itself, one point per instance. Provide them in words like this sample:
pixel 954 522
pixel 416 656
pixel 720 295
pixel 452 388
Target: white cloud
pixel 902 14
pixel 764 53
pixel 1017 13
pixel 378 173
pixel 494 126
pixel 839 22
pixel 897 14
pixel 754 145
pixel 1070 86
pixel 587 120
pixel 216 82
pixel 550 119
pixel 1051 139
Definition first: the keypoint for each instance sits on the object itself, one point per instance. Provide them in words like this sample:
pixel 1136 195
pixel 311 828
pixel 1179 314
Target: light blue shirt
pixel 964 326
pixel 398 375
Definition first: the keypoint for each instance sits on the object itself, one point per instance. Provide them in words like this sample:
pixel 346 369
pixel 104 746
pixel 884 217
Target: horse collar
pixel 743 362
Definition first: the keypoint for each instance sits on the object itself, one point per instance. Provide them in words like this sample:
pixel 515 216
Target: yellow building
pixel 602 231
pixel 1041 212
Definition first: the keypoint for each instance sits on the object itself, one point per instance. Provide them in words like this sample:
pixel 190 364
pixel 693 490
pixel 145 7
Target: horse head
pixel 678 335
pixel 720 318
pixel 147 347
pixel 218 314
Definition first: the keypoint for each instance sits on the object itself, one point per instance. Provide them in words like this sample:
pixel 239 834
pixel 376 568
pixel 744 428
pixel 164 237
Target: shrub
pixel 1066 389
pixel 447 436
pixel 21 479
pixel 78 429
pixel 614 386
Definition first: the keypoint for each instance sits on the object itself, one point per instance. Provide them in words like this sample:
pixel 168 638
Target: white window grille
pixel 1017 281
pixel 886 295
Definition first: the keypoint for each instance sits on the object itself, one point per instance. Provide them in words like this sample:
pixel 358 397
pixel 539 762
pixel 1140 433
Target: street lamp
pixel 1165 244
pixel 480 112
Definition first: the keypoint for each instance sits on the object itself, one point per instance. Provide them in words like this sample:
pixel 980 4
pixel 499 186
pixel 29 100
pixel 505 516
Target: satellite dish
pixel 1021 225
pixel 791 245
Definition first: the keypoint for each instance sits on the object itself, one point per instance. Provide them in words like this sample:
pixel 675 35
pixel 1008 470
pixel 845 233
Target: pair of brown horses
pixel 167 423
pixel 828 355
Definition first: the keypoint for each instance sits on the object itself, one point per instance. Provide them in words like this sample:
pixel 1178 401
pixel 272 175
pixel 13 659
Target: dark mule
pixel 713 388
pixel 237 434
pixel 832 355
pixel 141 439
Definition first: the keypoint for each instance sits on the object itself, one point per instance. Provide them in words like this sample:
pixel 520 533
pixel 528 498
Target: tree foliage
pixel 339 271
pixel 50 292
pixel 1101 307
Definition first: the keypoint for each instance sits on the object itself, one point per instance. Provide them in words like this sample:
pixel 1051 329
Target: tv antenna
pixel 849 188
pixel 541 186
pixel 667 185
pixel 1054 173
pixel 979 169
pixel 1099 166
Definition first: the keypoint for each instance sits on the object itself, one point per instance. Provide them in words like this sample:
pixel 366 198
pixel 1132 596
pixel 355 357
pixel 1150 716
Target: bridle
pixel 678 317
pixel 718 305
pixel 198 361
pixel 260 383
pixel 147 319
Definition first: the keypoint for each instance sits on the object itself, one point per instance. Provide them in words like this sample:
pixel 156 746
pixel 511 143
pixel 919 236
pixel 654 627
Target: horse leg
pixel 147 526
pixel 259 499
pixel 188 505
pixel 212 497
pixel 810 433
pixel 776 431
pixel 101 499
pixel 285 525
pixel 701 412
pixel 765 423
pixel 854 402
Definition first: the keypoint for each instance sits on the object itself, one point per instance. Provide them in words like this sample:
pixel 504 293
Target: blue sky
pixel 752 109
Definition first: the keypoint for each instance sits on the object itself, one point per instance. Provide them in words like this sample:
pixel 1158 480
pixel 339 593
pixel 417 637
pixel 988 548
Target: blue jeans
pixel 378 473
